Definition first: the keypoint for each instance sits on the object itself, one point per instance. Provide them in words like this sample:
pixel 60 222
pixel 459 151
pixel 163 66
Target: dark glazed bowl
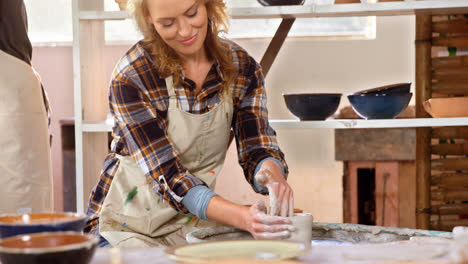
pixel 17 224
pixel 51 248
pixel 379 106
pixel 310 106
pixel 280 2
pixel 391 88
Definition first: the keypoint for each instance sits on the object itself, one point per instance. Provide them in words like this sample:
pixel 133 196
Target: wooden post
pixel 90 97
pixel 276 44
pixel 423 135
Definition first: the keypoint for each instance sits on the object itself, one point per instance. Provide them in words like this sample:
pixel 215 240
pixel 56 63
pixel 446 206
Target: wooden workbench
pixel 319 254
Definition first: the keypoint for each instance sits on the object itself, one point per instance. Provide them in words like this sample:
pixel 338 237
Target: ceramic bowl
pixel 280 2
pixel 56 248
pixel 17 224
pixel 312 106
pixel 447 107
pixel 392 88
pixel 379 106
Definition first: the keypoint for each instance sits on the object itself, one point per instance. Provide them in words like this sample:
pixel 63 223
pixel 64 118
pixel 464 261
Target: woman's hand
pixel 263 226
pixel 270 176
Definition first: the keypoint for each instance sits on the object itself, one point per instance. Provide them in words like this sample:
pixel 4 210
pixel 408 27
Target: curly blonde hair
pixel 165 58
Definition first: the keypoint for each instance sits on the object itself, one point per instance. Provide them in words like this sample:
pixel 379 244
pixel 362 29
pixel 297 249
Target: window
pixel 50 23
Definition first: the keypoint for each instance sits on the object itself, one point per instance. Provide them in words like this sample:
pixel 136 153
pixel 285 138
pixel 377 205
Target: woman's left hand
pixel 270 176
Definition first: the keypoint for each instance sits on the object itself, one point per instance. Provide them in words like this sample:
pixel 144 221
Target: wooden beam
pixel 447 225
pixel 449 62
pixel 375 144
pixel 453 26
pixel 407 194
pixel 452 164
pixel 459 74
pixel 276 44
pixel 450 149
pixel 450 132
pixel 423 93
pixel 449 179
pixel 94 95
pixel 450 209
pixel 450 195
pixel 456 41
pixel 450 87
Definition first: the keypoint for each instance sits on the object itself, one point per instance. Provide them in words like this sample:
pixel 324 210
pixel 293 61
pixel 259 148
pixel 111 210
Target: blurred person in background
pixel 25 161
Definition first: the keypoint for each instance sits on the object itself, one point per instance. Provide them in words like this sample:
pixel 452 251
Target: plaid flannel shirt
pixel 138 103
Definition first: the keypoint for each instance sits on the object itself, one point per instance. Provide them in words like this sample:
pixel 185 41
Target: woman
pixel 174 97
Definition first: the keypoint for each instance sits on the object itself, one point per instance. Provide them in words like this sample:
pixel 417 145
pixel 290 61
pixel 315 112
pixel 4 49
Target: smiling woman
pixel 175 97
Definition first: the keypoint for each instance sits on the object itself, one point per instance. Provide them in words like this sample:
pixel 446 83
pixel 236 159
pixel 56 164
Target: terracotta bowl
pixel 280 2
pixel 447 107
pixel 392 88
pixel 379 106
pixel 53 248
pixel 12 225
pixel 312 106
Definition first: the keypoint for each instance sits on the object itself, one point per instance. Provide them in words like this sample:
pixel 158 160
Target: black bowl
pixel 56 248
pixel 309 106
pixel 392 88
pixel 379 106
pixel 17 224
pixel 280 2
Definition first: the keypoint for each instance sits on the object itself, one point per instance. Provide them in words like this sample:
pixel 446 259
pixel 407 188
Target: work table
pixel 438 251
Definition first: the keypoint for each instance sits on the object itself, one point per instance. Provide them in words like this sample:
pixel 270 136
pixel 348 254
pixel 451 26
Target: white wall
pixel 333 66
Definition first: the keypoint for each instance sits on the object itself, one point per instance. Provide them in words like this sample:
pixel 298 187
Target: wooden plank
pixel 447 87
pixel 451 164
pixel 400 8
pixel 455 75
pixel 450 209
pixel 450 179
pixel 386 194
pixel 94 95
pixel 407 194
pixel 450 132
pixel 450 195
pixel 346 193
pixel 423 135
pixel 450 149
pixel 455 41
pixel 454 26
pixel 375 144
pixel 449 62
pixel 448 225
pixel 276 44
pixel 435 7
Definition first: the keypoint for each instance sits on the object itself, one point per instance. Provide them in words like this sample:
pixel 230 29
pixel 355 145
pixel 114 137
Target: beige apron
pixel 201 141
pixel 25 165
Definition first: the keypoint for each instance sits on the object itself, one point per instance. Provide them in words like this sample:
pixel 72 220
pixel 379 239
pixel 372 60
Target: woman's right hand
pixel 263 226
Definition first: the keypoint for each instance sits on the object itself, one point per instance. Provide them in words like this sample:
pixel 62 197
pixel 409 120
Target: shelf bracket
pixel 276 44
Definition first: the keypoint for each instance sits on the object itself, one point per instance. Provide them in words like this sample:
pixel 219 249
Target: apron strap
pixel 171 92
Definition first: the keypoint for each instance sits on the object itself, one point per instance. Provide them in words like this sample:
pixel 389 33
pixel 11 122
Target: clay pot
pixel 55 247
pixel 122 4
pixel 447 107
pixel 17 224
pixel 303 224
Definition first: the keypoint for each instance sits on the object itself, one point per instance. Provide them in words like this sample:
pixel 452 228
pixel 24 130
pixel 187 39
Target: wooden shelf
pixel 106 126
pixel 433 7
pixel 375 123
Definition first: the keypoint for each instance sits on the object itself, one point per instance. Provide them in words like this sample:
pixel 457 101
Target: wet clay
pixel 303 224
